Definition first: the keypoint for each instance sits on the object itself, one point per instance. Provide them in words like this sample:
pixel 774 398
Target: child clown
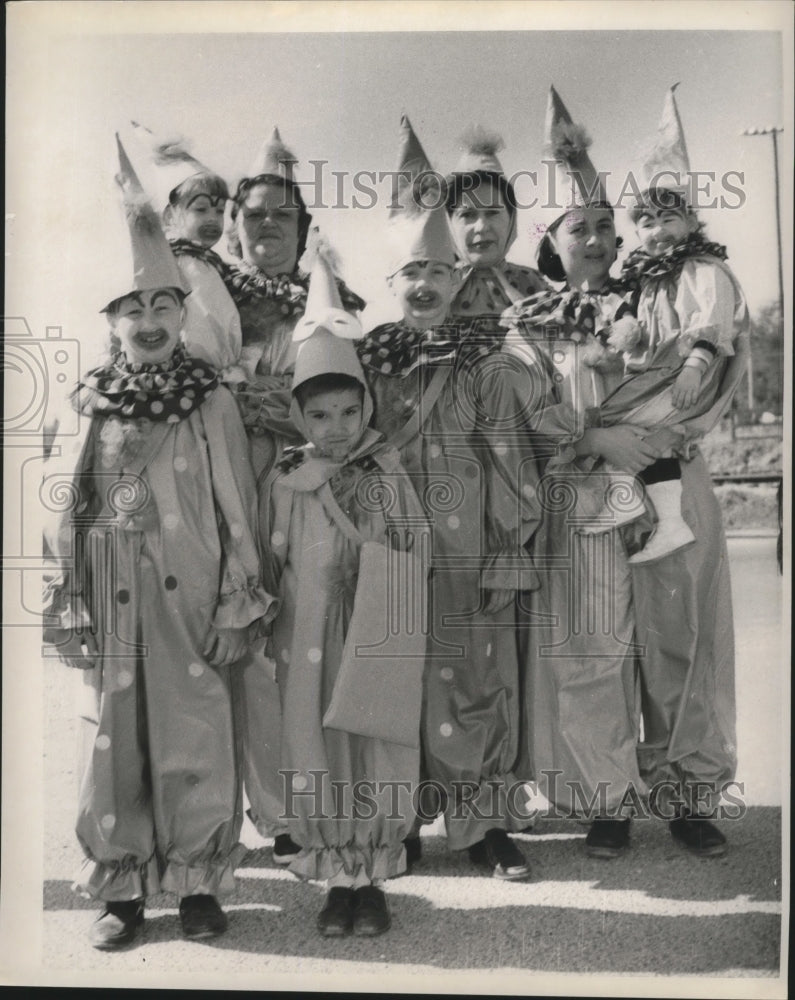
pixel 343 490
pixel 436 402
pixel 692 313
pixel 192 202
pixel 156 585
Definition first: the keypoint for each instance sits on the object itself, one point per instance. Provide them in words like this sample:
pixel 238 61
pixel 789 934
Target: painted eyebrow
pixel 164 294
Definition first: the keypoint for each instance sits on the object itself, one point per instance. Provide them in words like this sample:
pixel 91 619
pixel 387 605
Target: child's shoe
pixel 117 925
pixel 336 917
pixel 201 917
pixel 607 838
pixel 672 532
pixel 698 835
pixel 285 849
pixel 499 853
pixel 371 916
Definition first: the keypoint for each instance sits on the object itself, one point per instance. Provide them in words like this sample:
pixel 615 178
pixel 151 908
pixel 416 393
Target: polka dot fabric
pixel 167 392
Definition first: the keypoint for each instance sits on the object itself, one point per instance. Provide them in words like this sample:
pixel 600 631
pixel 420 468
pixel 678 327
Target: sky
pixel 337 97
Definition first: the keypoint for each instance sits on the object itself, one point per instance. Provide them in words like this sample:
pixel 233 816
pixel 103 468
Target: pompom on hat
pixel 480 148
pixel 170 160
pixel 577 183
pixel 142 258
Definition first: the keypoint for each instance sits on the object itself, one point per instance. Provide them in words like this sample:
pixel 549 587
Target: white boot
pixel 671 532
pixel 622 503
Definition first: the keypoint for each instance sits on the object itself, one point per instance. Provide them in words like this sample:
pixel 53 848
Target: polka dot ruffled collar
pixel 167 392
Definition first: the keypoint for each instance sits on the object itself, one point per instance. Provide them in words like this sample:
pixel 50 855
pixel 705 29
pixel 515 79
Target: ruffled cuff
pixel 59 612
pixel 213 878
pixel 509 570
pixel 240 608
pixel 378 862
pixel 118 881
pixel 712 334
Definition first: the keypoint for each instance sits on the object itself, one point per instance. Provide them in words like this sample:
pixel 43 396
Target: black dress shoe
pixel 371 916
pixel 499 853
pixel 201 917
pixel 117 925
pixel 285 849
pixel 698 835
pixel 607 838
pixel 336 917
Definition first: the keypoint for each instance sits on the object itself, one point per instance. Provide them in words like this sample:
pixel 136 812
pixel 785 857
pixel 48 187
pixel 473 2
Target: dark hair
pixel 661 198
pixel 274 180
pixel 204 183
pixel 327 382
pixel 549 263
pixel 459 184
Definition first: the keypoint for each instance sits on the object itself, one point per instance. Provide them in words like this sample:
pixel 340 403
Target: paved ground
pixel 655 912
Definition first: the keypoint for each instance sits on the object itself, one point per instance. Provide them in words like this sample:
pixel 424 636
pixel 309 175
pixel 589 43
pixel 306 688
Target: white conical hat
pixel 325 333
pixel 323 303
pixel 577 184
pixel 170 160
pixel 412 163
pixel 419 234
pixel 274 158
pixel 417 228
pixel 143 259
pixel 668 165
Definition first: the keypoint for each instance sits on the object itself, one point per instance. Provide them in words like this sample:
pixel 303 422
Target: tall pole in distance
pixel 772 131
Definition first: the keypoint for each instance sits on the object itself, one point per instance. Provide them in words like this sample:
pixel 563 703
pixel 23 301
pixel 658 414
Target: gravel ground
pixel 655 912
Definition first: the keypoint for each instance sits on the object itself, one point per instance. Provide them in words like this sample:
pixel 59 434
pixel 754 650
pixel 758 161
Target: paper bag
pixel 378 690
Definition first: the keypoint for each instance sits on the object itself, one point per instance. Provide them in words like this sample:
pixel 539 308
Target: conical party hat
pixel 577 184
pixel 323 303
pixel 171 161
pixel 419 234
pixel 668 164
pixel 144 260
pixel 274 158
pixel 325 333
pixel 480 148
pixel 412 163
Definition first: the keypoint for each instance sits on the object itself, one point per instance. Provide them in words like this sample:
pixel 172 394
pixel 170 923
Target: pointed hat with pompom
pixel 668 165
pixel 323 303
pixel 171 163
pixel 326 332
pixel 274 159
pixel 142 258
pixel 577 184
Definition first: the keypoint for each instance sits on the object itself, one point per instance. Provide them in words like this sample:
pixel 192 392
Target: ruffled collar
pixel 167 392
pixel 641 267
pixel 246 283
pixel 488 291
pixel 187 248
pixel 398 349
pixel 569 313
